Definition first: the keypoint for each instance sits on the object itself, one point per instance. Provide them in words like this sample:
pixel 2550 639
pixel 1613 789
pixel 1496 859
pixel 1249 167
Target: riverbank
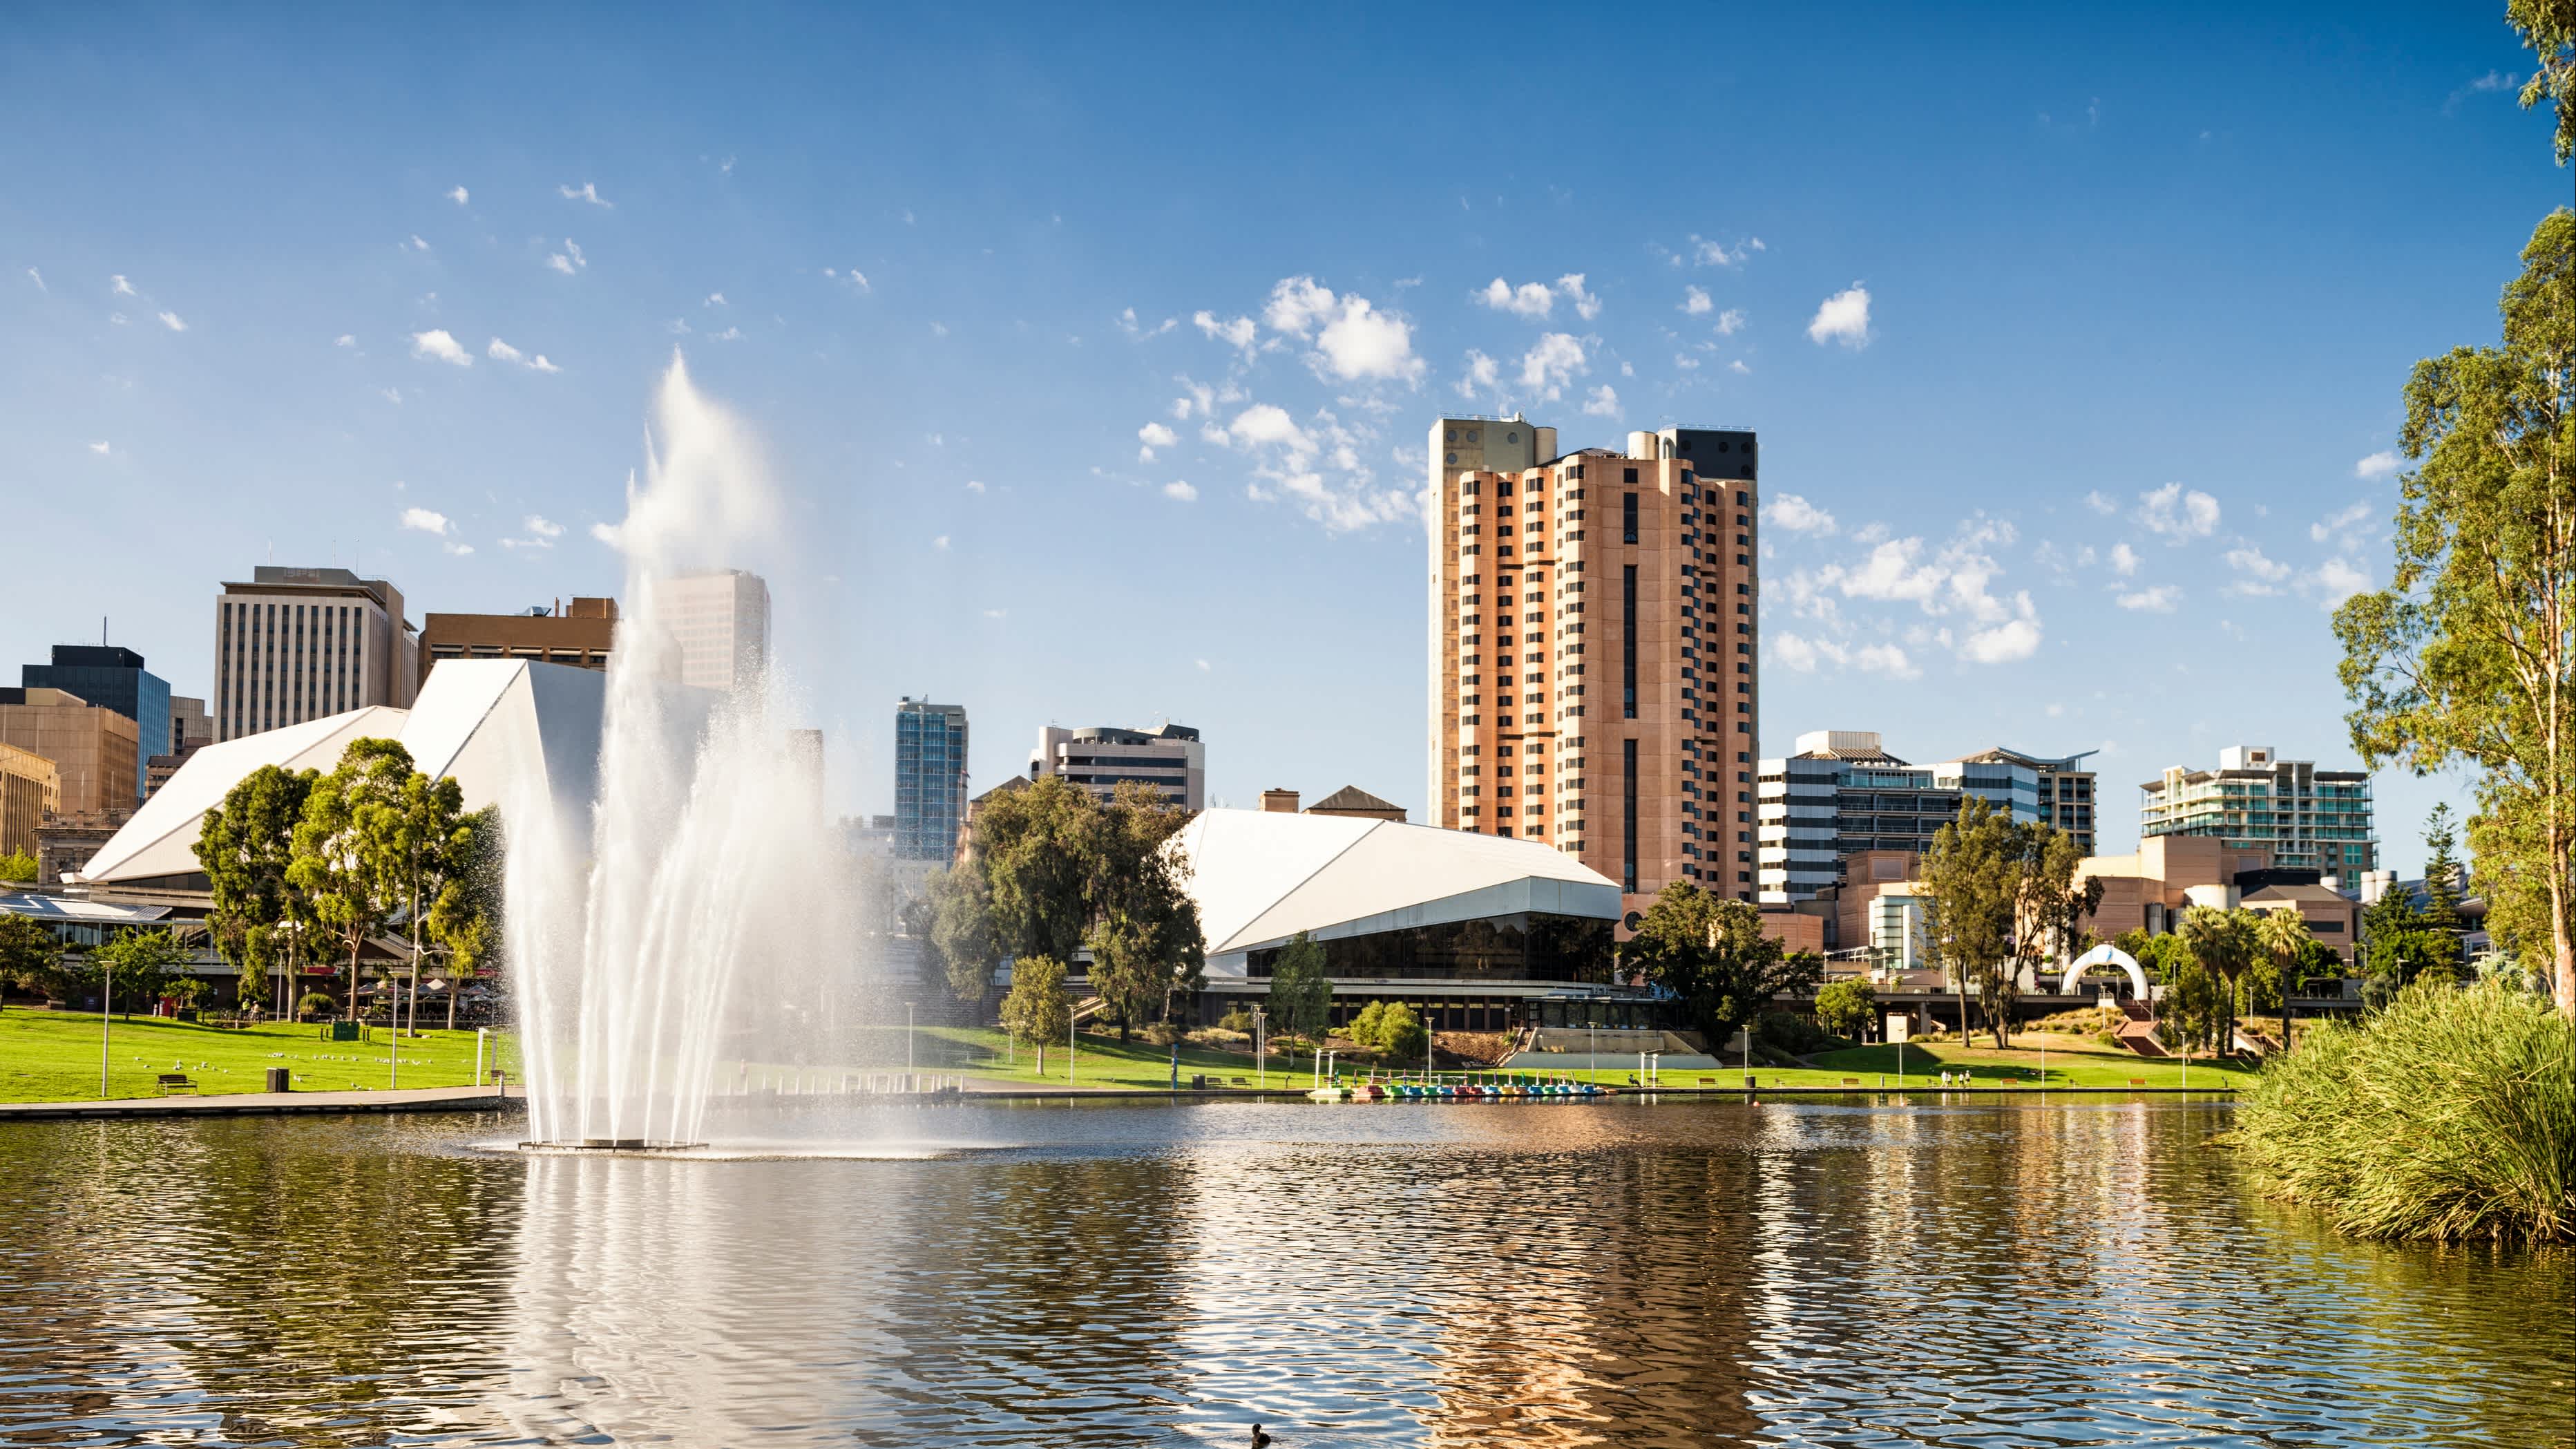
pixel 53 1056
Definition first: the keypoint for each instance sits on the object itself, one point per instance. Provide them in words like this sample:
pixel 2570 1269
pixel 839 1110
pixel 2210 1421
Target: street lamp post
pixel 1261 1046
pixel 106 999
pixel 908 1069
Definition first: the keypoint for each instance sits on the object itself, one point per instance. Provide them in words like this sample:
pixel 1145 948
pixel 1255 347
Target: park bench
pixel 169 1082
pixel 1851 1081
pixel 2137 1081
pixel 1239 1081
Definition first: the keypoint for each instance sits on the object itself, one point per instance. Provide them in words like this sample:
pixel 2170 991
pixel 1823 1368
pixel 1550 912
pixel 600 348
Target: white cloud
pixel 99 448
pixel 1695 301
pixel 1180 492
pixel 1737 366
pixel 538 526
pixel 1587 305
pixel 1353 340
pixel 2101 503
pixel 1128 324
pixel 390 394
pixel 1796 514
pixel 570 259
pixel 1707 253
pixel 1955 580
pixel 714 299
pixel 587 191
pixel 2124 560
pixel 1237 333
pixel 458 195
pixel 2495 80
pixel 438 344
pixel 1154 435
pixel 1843 318
pixel 2157 600
pixel 416 244
pixel 2336 523
pixel 2015 638
pixel 501 351
pixel 974 485
pixel 2256 575
pixel 1267 423
pixel 2378 465
pixel 424 520
pixel 1529 299
pixel 940 543
pixel 1203 665
pixel 2178 515
pixel 119 286
pixel 1553 361
pixel 852 275
pixel 2337 580
pixel 1483 374
pixel 345 339
pixel 38 278
pixel 1602 402
pixel 730 334
pixel 1730 321
pixel 1801 653
pixel 171 321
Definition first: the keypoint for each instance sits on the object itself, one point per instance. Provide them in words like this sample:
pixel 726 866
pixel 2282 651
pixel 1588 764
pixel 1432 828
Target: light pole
pixel 1260 1046
pixel 907 1039
pixel 106 999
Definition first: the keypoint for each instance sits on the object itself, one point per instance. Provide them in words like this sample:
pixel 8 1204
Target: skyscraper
pixel 720 621
pixel 303 643
pixel 112 678
pixel 1595 641
pixel 929 778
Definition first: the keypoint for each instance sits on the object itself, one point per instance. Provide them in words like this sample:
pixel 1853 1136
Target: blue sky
pixel 2076 339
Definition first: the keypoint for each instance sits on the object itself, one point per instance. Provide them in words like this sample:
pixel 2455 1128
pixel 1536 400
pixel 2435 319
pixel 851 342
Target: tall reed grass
pixel 2449 1117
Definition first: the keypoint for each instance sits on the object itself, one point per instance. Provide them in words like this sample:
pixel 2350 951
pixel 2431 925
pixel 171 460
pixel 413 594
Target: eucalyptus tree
pixel 1972 896
pixel 2468 657
pixel 246 846
pixel 340 846
pixel 1146 944
pixel 1301 995
pixel 1713 955
pixel 1037 1007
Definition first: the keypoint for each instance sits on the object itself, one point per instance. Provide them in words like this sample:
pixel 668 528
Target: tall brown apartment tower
pixel 1595 641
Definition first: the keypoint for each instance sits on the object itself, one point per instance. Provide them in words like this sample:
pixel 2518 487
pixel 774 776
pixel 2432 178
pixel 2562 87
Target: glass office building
pixel 113 678
pixel 929 779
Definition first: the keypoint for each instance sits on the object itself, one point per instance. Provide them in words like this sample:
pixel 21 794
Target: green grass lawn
pixel 52 1056
pixel 2071 1062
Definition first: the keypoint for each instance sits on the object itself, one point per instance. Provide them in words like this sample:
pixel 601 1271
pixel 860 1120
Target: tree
pixel 2283 938
pixel 2224 943
pixel 1847 1007
pixel 2469 655
pixel 465 916
pixel 31 958
pixel 2548 27
pixel 17 866
pixel 2441 872
pixel 1712 955
pixel 1972 893
pixel 421 848
pixel 1037 1007
pixel 2049 911
pixel 136 965
pixel 1401 1036
pixel 340 846
pixel 246 845
pixel 1146 946
pixel 1035 848
pixel 1301 995
pixel 954 918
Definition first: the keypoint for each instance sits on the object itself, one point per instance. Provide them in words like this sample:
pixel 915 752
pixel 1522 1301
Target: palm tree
pixel 2283 936
pixel 2223 943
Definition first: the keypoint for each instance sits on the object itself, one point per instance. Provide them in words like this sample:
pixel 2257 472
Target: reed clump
pixel 2448 1117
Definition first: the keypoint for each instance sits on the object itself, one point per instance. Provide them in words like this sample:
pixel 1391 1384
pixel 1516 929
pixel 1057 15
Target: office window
pixel 1628 636
pixel 1628 514
pixel 1628 821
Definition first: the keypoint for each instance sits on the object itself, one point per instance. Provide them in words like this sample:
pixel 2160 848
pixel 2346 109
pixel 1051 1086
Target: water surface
pixel 1630 1273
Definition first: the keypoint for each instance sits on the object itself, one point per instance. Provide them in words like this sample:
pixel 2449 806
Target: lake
pixel 1987 1273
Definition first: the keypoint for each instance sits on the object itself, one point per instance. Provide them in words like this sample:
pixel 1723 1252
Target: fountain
pixel 697 908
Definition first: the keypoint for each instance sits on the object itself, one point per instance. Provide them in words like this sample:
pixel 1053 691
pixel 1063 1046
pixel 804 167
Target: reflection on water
pixel 1617 1274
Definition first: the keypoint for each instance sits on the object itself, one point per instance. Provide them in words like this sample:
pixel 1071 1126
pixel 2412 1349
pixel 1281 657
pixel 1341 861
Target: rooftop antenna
pixel 102 631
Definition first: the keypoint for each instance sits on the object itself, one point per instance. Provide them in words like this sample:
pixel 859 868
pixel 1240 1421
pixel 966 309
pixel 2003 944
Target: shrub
pixel 2451 1116
pixel 1794 1035
pixel 1238 1021
pixel 1164 1033
pixel 315 1003
pixel 1366 1027
pixel 1396 1032
pixel 1846 1007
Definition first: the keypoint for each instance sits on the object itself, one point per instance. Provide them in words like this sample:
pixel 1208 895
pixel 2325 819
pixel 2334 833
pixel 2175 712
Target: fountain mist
pixel 691 913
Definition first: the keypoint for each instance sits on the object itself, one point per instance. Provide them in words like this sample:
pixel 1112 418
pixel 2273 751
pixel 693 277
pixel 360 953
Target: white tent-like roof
pixel 485 721
pixel 1261 876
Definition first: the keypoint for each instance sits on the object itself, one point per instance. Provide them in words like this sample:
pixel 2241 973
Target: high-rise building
pixel 2308 818
pixel 31 788
pixel 1168 757
pixel 580 635
pixel 295 644
pixel 1595 646
pixel 1842 795
pixel 93 748
pixel 2056 792
pixel 190 724
pixel 114 678
pixel 720 621
pixel 929 778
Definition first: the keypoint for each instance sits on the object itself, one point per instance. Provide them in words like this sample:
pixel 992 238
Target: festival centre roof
pixel 1261 876
pixel 485 721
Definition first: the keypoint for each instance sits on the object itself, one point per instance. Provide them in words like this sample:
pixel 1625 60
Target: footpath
pixel 273 1104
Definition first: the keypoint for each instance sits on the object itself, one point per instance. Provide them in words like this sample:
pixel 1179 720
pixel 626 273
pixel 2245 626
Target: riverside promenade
pixel 273 1104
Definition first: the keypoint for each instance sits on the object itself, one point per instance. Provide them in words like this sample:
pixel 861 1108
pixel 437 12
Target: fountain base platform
pixel 610 1146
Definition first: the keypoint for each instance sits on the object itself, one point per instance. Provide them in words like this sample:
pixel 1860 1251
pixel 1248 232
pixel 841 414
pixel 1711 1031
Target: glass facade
pixel 1525 946
pixel 929 779
pixel 113 678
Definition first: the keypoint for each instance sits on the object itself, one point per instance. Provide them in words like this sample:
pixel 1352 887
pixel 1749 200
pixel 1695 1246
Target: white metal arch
pixel 2105 954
